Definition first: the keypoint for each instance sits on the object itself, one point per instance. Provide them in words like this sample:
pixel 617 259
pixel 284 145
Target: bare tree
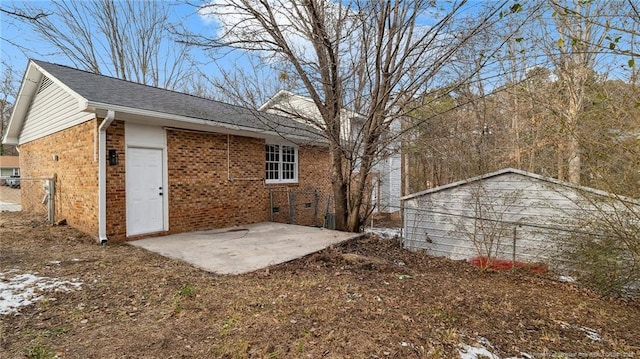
pixel 19 14
pixel 8 91
pixel 372 57
pixel 127 39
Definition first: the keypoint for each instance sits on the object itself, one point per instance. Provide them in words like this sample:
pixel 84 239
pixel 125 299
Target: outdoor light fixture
pixel 113 157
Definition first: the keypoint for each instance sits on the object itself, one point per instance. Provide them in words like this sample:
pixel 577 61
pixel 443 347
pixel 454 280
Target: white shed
pixel 505 214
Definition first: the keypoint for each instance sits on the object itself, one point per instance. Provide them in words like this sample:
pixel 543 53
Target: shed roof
pixel 101 92
pixel 9 162
pixel 521 173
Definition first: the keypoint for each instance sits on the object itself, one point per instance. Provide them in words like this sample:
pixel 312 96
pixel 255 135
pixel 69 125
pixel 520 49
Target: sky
pixel 18 42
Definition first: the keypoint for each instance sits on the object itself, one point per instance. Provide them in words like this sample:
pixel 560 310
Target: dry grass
pixel 360 300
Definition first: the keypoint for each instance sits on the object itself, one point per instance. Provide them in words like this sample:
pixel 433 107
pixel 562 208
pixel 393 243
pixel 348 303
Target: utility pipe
pixel 102 176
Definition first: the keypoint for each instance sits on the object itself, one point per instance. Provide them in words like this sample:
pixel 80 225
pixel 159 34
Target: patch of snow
pixel 383 232
pixel 591 334
pixel 470 352
pixel 481 352
pixel 19 290
pixel 566 279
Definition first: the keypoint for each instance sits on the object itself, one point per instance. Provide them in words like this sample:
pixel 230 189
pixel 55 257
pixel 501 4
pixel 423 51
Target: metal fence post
pixel 50 200
pixel 292 207
pixel 271 205
pixel 315 208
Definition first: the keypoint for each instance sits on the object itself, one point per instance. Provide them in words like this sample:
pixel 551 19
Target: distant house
pixel 132 160
pixel 505 213
pixel 387 176
pixel 9 166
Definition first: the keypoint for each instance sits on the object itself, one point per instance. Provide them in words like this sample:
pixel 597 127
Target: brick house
pixel 386 179
pixel 131 161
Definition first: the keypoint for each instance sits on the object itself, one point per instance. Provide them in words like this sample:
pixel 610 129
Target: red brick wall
pixel 76 170
pixel 313 175
pixel 201 196
pixel 116 199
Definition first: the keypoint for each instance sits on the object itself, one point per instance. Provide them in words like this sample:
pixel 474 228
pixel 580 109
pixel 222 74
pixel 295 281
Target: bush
pixel 605 253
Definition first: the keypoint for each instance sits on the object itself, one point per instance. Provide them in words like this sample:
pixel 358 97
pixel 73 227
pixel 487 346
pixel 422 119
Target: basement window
pixel 281 163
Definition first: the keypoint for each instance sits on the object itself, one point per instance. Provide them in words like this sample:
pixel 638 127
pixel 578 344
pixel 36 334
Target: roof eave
pixel 30 81
pixel 179 120
pixel 522 173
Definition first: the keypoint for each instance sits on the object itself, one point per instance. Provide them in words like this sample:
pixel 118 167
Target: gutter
pixel 257 133
pixel 102 176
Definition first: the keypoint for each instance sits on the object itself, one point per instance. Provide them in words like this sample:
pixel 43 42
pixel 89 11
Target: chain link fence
pixel 302 207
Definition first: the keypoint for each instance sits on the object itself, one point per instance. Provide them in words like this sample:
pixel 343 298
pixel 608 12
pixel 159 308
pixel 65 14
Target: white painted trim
pixel 246 131
pixel 28 87
pixel 297 164
pixel 82 102
pixel 102 177
pixel 165 180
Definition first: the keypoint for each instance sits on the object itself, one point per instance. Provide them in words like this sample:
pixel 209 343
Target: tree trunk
pixel 339 187
pixel 573 172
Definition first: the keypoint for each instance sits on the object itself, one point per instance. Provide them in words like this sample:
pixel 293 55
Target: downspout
pixel 102 177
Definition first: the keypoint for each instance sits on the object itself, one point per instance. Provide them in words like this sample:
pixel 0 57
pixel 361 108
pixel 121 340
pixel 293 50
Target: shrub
pixel 605 253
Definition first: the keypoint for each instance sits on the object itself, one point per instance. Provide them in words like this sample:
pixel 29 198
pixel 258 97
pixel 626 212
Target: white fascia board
pixel 30 82
pixel 178 119
pixel 28 87
pixel 82 102
pixel 275 99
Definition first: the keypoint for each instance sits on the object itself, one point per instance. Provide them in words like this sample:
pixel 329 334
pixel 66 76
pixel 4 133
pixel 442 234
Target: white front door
pixel 145 204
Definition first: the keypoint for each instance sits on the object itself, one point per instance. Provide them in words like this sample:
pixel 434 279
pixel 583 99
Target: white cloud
pixel 236 24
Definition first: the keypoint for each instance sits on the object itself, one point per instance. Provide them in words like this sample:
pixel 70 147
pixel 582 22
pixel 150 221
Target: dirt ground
pixel 364 299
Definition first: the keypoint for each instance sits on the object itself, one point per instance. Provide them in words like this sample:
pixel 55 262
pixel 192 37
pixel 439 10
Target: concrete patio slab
pixel 244 249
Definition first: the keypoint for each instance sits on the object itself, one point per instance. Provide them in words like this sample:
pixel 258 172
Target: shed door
pixel 145 212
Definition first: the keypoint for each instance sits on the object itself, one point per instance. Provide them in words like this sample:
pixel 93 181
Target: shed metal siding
pixel 542 213
pixel 53 109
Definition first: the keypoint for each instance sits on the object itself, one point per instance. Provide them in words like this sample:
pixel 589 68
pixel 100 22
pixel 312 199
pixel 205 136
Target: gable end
pixel 53 109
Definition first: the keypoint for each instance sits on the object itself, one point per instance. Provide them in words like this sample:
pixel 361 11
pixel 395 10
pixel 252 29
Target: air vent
pixel 46 82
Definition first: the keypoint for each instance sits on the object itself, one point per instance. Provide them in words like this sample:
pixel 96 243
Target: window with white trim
pixel 281 165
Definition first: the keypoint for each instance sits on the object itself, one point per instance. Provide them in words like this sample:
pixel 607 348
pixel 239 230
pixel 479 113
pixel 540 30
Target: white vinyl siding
pixel 52 110
pixel 390 184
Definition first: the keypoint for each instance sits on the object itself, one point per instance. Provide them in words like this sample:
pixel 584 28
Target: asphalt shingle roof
pixel 113 91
